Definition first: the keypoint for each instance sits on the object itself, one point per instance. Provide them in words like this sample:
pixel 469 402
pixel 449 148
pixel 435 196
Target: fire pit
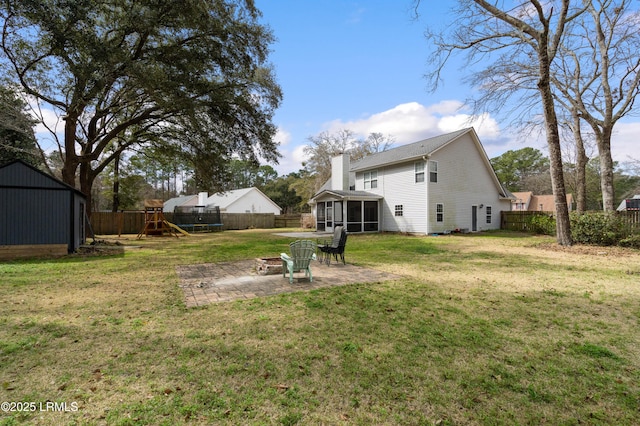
pixel 269 265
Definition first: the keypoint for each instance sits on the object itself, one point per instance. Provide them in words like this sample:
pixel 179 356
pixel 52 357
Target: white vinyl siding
pixel 400 189
pixel 464 180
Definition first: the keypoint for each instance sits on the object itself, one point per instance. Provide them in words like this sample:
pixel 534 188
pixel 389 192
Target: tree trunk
pixel 606 170
pixel 563 224
pixel 86 183
pixel 581 165
pixel 116 184
pixel 71 161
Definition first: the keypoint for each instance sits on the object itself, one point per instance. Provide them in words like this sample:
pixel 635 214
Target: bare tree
pixel 598 75
pixel 529 33
pixel 377 142
pixel 324 146
pixel 576 151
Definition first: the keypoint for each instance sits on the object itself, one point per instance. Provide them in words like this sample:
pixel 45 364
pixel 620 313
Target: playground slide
pixel 177 228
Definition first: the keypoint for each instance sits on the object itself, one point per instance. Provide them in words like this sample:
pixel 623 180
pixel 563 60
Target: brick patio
pixel 207 283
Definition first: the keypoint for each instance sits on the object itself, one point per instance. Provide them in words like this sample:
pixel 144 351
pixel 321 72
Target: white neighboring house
pixel 630 204
pixel 183 202
pixel 246 200
pixel 437 185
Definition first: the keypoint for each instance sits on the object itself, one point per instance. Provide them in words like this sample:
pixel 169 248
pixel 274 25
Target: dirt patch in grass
pixel 590 250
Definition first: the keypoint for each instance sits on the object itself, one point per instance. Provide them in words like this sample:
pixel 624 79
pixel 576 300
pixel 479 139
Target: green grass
pixel 483 329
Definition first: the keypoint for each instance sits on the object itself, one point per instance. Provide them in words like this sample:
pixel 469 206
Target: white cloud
pixel 282 137
pixel 291 160
pixel 624 142
pixel 413 121
pixel 486 126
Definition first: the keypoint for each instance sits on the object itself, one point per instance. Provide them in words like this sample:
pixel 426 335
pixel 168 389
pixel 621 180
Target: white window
pixel 370 180
pixel 439 212
pixel 488 212
pixel 419 170
pixel 433 171
pixel 398 210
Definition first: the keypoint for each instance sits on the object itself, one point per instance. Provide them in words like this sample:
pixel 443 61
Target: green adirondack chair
pixel 302 253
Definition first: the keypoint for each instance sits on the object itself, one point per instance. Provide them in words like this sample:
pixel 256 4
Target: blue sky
pixel 360 65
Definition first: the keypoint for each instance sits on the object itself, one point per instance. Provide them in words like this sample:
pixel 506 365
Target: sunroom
pixel 358 211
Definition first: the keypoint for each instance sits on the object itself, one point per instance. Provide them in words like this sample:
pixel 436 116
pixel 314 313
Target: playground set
pixel 197 219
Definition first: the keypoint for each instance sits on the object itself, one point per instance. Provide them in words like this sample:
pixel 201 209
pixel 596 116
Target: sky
pixel 360 65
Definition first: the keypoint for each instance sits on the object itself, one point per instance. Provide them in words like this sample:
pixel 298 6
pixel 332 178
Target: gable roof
pixel 409 151
pixel 13 174
pixel 171 204
pixel 225 199
pixel 524 197
pixel 547 203
pixel 426 147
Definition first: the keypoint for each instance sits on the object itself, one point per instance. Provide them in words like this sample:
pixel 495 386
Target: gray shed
pixel 39 214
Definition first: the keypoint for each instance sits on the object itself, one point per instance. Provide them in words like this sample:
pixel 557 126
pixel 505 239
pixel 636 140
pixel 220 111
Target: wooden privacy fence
pixel 521 220
pixel 132 222
pixel 288 221
pixel 631 220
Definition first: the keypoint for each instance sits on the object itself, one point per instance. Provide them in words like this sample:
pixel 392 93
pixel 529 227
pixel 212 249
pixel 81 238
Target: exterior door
pixel 474 218
pixel 329 217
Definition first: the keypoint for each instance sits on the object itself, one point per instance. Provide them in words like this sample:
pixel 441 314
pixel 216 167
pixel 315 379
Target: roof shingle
pixel 407 152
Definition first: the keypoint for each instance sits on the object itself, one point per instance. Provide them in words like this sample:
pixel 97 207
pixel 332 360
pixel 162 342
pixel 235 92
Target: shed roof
pixel 14 174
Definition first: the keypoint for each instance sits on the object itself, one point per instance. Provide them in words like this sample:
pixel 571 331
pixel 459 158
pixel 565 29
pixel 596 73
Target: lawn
pixel 494 328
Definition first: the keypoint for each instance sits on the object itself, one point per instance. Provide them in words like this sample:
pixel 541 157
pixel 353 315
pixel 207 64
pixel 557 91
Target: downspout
pixel 425 158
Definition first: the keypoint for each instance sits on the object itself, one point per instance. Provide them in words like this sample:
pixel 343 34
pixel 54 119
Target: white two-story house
pixel 437 185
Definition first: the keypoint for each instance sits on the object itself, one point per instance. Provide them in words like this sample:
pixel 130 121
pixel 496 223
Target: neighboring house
pixel 246 200
pixel 437 185
pixel 630 204
pixel 39 214
pixel 526 201
pixel 182 203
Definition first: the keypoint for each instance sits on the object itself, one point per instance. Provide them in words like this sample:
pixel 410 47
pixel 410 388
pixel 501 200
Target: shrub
pixel 543 224
pixel 632 241
pixel 603 229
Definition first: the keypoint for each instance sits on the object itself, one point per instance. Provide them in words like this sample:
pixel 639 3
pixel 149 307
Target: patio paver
pixel 208 283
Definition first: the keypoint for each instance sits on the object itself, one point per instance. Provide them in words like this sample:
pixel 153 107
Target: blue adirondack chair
pixel 302 253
